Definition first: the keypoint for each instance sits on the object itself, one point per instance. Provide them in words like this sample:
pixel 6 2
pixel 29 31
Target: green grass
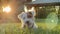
pixel 15 28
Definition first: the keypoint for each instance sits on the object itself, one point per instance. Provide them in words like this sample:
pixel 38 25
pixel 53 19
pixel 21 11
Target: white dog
pixel 27 18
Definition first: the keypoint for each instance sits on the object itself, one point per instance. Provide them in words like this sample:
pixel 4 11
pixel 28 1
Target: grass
pixel 15 28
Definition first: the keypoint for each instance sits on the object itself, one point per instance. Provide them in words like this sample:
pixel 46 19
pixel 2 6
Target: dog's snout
pixel 27 21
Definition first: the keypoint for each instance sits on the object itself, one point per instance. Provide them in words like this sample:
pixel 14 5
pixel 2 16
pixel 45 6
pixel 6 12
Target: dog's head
pixel 30 14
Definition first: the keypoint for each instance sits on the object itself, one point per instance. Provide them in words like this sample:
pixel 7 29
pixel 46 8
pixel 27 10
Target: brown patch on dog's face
pixel 29 15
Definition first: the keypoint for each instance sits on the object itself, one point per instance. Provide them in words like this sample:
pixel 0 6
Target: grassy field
pixel 15 28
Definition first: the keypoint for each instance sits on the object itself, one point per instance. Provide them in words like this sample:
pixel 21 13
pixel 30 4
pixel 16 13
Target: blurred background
pixel 9 14
pixel 9 9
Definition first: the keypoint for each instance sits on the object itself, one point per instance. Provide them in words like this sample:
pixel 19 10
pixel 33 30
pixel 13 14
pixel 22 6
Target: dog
pixel 27 18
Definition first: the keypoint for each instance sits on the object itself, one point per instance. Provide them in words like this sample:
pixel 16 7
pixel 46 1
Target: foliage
pixel 44 11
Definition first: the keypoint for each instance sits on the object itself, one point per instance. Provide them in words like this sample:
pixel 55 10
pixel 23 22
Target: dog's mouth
pixel 27 22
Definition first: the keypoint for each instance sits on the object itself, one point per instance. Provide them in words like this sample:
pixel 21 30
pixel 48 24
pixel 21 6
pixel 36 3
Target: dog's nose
pixel 27 21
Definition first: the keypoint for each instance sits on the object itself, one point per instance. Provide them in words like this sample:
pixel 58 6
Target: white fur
pixel 23 18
